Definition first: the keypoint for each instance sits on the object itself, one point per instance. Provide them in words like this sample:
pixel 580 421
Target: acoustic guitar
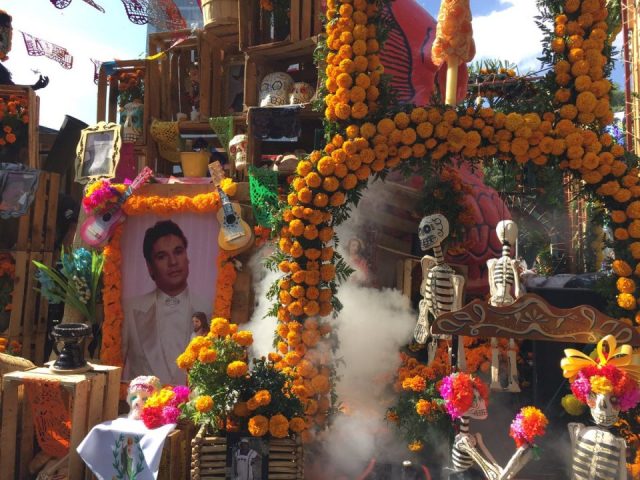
pixel 97 229
pixel 235 233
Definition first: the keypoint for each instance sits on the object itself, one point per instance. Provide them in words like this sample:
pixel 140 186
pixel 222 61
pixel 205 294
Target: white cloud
pixel 510 34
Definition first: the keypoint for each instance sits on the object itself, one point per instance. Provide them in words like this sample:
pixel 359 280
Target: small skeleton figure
pixel 466 397
pixel 441 286
pixel 140 389
pixel 607 386
pixel 503 278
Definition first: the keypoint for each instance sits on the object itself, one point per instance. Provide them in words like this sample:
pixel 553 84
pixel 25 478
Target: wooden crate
pixel 304 16
pixel 32 159
pixel 28 319
pixel 208 456
pixel 36 230
pixel 286 459
pixel 93 398
pixel 176 454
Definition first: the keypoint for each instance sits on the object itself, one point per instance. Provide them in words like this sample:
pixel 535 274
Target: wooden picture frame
pixel 98 152
pixel 18 186
pixel 233 85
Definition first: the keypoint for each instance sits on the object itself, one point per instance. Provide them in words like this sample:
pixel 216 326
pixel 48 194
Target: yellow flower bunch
pixel 237 369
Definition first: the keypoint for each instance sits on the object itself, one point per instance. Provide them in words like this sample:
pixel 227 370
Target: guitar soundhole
pixel 230 219
pixel 106 217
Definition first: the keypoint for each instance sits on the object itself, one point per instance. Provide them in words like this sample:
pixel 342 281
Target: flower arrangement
pixel 12 347
pixel 14 121
pixel 100 194
pixel 529 423
pixel 75 283
pixel 130 86
pixel 164 406
pixel 457 390
pixel 228 396
pixel 7 275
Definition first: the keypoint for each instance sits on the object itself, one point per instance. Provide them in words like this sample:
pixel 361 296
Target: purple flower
pixel 181 394
pixel 170 414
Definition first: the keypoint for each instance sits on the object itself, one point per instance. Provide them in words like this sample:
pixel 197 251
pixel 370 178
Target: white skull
pixel 238 151
pixel 140 389
pixel 131 121
pixel 604 408
pixel 275 89
pixel 432 231
pixel 507 231
pixel 302 93
pixel 478 408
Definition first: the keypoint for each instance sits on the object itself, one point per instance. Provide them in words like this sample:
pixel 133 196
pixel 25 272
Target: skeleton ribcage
pixel 461 461
pixel 595 461
pixel 503 274
pixel 438 298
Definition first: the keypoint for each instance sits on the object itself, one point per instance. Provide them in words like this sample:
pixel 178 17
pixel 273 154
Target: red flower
pixel 152 417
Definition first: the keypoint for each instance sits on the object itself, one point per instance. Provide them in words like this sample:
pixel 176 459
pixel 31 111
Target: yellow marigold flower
pixel 416 446
pixel 600 385
pixel 244 338
pixel 625 285
pixel 621 268
pixel 220 326
pixel 237 369
pixel 207 355
pixel 626 301
pixel 263 397
pixel 258 425
pixel 321 384
pixel 297 424
pixel 586 102
pixel 186 360
pixel 240 409
pixel 204 403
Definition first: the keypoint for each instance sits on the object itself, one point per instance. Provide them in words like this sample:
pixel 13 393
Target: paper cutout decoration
pixel 60 4
pixel 137 11
pixel 96 69
pixel 36 47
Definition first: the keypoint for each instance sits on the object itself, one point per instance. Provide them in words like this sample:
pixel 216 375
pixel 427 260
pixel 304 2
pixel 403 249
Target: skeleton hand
pixel 465 441
pixel 517 462
pixel 41 83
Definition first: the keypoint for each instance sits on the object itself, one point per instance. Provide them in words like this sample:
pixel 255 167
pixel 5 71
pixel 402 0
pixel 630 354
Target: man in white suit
pixel 157 325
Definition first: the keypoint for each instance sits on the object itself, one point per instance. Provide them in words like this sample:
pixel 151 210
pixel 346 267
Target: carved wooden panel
pixel 532 318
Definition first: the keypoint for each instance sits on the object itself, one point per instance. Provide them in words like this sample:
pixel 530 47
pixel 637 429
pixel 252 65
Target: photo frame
pixel 247 452
pixel 98 152
pixel 233 85
pixel 18 186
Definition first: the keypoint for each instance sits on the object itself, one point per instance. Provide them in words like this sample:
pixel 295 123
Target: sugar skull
pixel 140 389
pixel 604 407
pixel 275 89
pixel 507 231
pixel 432 231
pixel 302 93
pixel 131 121
pixel 238 151
pixel 478 410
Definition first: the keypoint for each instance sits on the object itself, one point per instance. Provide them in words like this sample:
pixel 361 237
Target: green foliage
pixel 265 377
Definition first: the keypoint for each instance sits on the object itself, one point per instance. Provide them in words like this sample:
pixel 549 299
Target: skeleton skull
pixel 604 408
pixel 302 93
pixel 131 121
pixel 478 410
pixel 140 389
pixel 432 231
pixel 275 89
pixel 238 151
pixel 507 231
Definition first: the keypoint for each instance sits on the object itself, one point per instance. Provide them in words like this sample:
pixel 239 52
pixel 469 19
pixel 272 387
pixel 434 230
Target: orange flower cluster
pixel 12 347
pixel 7 275
pixel 454 35
pixel 14 116
pixel 130 86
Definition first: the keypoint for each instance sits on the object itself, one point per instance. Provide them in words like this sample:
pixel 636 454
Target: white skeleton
pixel 597 453
pixel 275 89
pixel 469 448
pixel 441 286
pixel 503 278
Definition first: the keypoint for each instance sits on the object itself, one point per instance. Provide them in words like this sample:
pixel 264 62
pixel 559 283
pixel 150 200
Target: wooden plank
pixel 79 407
pixel 111 392
pixel 101 111
pixel 25 434
pixel 317 21
pixel 34 128
pixel 30 307
pixel 39 211
pixel 17 297
pixel 51 211
pixel 306 15
pixel 10 406
pixel 96 400
pixel 294 20
pixel 112 107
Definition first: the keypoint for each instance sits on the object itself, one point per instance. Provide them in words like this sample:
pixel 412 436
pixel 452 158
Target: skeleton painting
pixel 607 385
pixel 466 397
pixel 441 287
pixel 505 288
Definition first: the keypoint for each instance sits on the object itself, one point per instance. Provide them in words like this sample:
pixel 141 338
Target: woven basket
pixel 208 456
pixel 220 11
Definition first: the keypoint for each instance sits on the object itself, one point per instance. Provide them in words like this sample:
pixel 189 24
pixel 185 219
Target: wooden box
pixel 304 22
pixel 92 399
pixel 286 459
pixel 208 456
pixel 176 454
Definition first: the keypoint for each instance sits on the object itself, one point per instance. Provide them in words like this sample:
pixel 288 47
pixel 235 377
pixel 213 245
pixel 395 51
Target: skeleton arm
pixel 469 444
pixel 622 465
pixel 519 459
pixel 457 281
pixel 517 286
pixel 575 429
pixel 491 266
pixel 427 263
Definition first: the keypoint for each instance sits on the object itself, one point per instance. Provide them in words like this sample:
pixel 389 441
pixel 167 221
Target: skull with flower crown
pixel 275 89
pixel 141 388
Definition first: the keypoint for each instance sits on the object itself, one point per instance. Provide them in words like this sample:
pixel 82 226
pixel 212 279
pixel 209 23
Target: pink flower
pixel 170 414
pixel 181 394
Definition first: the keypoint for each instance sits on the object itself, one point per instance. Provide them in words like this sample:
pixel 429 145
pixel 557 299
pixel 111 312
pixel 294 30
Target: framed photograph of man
pixel 247 458
pixel 18 186
pixel 169 274
pixel 98 152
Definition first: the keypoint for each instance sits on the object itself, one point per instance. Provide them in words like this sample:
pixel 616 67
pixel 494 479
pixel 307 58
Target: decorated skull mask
pixel 604 408
pixel 432 231
pixel 275 89
pixel 507 231
pixel 302 93
pixel 238 151
pixel 478 410
pixel 140 389
pixel 131 121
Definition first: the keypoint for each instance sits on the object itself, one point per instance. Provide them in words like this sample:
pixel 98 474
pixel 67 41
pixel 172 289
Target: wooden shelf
pixel 202 126
pixel 285 48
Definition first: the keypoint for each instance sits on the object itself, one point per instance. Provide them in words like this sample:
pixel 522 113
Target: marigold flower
pixel 220 327
pixel 204 403
pixel 237 369
pixel 258 425
pixel 244 338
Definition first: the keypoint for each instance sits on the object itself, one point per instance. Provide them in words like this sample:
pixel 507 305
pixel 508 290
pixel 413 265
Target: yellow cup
pixel 194 164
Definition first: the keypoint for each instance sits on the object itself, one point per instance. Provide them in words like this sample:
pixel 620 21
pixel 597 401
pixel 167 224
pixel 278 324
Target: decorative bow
pixel 621 357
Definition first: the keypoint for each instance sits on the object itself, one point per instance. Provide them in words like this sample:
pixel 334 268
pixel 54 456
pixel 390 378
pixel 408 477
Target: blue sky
pixel 502 29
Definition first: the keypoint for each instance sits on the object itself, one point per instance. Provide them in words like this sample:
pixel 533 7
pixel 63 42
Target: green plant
pixel 76 282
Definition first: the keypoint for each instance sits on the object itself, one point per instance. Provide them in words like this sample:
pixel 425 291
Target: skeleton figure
pixel 302 93
pixel 275 89
pixel 131 121
pixel 469 448
pixel 140 389
pixel 597 453
pixel 503 277
pixel 238 152
pixel 441 287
